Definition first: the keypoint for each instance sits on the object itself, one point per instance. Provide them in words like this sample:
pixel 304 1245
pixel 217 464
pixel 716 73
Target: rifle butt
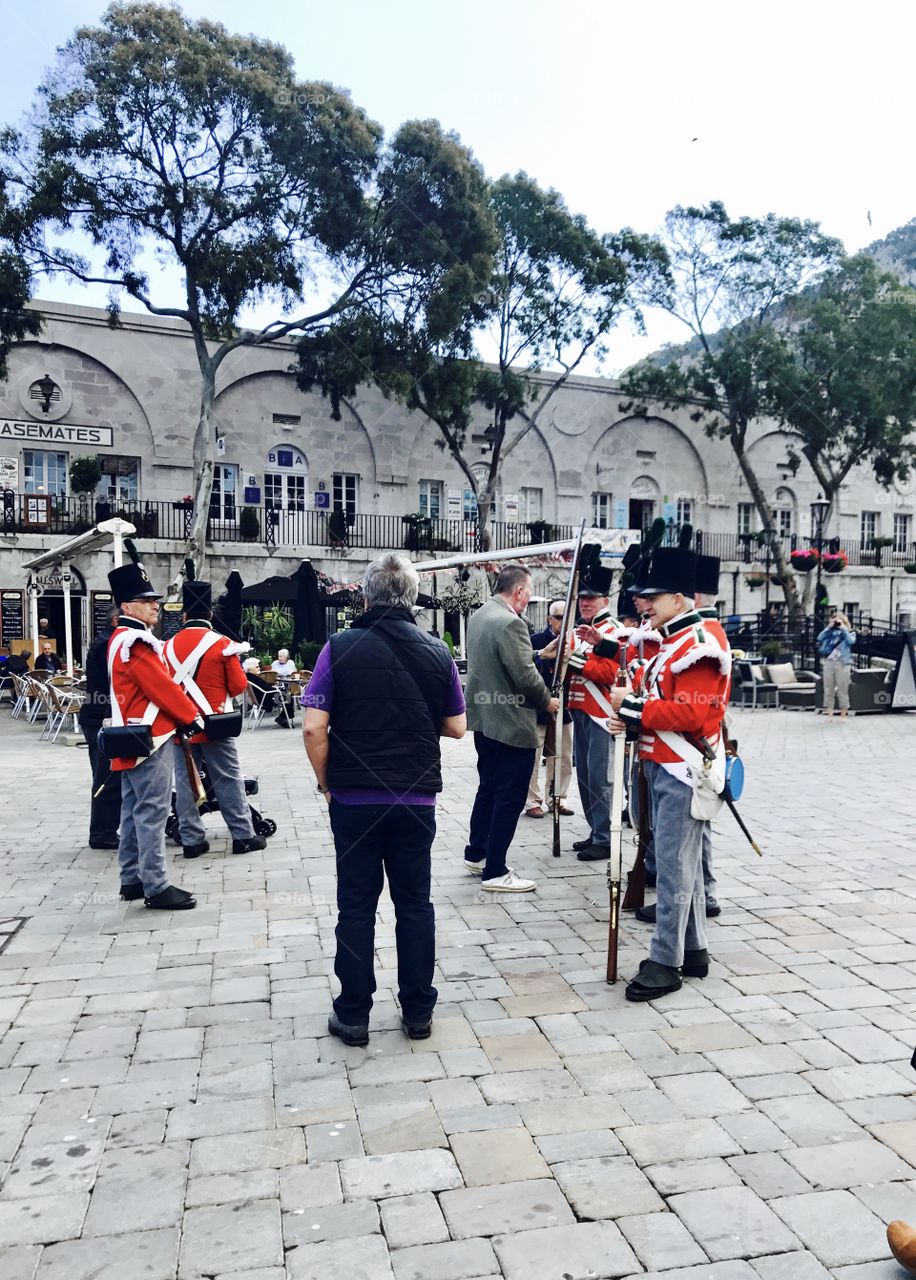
pixel 613 931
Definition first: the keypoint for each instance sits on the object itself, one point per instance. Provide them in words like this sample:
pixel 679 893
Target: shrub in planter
pixel 540 531
pixel 249 524
pixel 419 532
pixel 755 580
pixel 338 532
pixel 308 655
pixel 910 568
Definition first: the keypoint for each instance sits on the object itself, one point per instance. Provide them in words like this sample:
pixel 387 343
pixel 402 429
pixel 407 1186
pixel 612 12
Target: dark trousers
pixel 372 841
pixel 504 773
pixel 105 810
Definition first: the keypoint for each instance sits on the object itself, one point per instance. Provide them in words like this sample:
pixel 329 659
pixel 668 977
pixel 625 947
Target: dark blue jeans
pixel 372 841
pixel 504 773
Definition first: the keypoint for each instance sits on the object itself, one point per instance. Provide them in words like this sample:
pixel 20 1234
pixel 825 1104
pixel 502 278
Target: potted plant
pixel 775 652
pixel 540 531
pixel 249 525
pixel 419 532
pixel 308 655
pixel 251 623
pixel 834 561
pixel 85 474
pixel 755 577
pixel 878 544
pixel 910 568
pixel 803 561
pixel 186 501
pixel 338 531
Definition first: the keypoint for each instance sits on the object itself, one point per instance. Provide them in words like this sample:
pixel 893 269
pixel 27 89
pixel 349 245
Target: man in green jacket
pixel 504 692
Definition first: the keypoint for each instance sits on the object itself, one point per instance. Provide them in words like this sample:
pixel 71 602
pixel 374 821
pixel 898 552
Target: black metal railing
pixel 776 639
pixel 746 548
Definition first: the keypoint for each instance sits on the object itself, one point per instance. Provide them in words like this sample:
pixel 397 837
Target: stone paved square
pixel 174 1075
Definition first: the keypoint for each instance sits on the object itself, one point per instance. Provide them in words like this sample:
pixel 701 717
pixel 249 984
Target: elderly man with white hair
pixel 382 694
pixel 284 667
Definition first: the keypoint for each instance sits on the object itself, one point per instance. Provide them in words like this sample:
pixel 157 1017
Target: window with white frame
pixel 747 517
pixel 601 511
pixel 901 532
pixel 225 492
pixel 784 522
pixel 868 530
pixel 530 504
pixel 120 480
pixel 345 491
pixel 684 511
pixel 44 472
pixel 430 498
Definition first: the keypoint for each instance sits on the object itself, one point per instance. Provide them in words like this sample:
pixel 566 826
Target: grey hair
pixel 391 582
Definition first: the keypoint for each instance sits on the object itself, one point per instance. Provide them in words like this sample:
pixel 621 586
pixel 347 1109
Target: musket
pixel 553 738
pixel 615 859
pixel 635 896
pixel 198 791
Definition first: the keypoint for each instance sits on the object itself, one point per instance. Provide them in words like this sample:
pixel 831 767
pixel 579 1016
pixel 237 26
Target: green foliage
pixel 418 535
pixel 849 389
pixel 338 530
pixel 161 135
pixel 450 644
pixel 251 623
pixel 308 655
pixel 85 473
pixel 276 628
pixel 549 288
pixel 249 524
pixel 16 322
pixel 729 279
pixel 460 597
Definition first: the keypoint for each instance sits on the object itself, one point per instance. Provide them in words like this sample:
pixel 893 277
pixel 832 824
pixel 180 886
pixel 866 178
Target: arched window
pixel 784 513
pixel 286 479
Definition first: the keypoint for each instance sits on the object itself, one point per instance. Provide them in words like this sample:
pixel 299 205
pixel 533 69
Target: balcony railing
pixel 270 526
pixel 325 529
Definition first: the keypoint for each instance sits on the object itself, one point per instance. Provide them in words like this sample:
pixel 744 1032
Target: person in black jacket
pixel 382 694
pixel 105 808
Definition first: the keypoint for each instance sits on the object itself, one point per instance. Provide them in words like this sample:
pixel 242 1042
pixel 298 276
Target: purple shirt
pixel 319 694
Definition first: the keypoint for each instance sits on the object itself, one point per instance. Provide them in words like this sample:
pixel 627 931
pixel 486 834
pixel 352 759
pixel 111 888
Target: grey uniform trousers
pixel 680 922
pixel 593 752
pixel 146 800
pixel 709 877
pixel 225 776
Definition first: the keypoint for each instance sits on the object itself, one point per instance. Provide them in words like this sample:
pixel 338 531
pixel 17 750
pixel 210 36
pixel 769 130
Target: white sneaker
pixel 509 883
pixel 475 868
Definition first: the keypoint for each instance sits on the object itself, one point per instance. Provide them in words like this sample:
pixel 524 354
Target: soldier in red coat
pixel 678 705
pixel 206 665
pixel 143 696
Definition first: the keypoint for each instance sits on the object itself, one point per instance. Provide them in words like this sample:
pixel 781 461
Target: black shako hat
pixel 708 575
pixel 671 569
pixel 594 578
pixel 197 598
pixel 626 605
pixel 129 582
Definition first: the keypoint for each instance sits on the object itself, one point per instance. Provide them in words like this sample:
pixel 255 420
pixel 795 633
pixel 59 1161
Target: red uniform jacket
pixel 139 676
pixel 591 676
pixel 683 690
pixel 219 673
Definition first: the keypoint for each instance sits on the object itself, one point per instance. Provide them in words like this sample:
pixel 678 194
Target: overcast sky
pixel 800 107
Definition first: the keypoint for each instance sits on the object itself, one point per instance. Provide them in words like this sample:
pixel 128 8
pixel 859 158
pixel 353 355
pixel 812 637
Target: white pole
pixel 461 635
pixel 118 548
pixel 33 611
pixel 68 621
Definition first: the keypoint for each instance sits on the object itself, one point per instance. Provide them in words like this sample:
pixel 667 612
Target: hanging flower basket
pixel 755 580
pixel 804 561
pixel 835 561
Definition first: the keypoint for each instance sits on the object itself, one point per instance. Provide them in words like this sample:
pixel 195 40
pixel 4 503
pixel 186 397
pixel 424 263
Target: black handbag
pixel 125 742
pixel 220 725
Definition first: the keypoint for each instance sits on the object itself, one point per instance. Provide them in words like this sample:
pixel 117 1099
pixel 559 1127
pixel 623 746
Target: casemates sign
pixel 55 433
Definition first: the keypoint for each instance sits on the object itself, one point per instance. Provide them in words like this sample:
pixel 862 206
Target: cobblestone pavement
pixel 173 1106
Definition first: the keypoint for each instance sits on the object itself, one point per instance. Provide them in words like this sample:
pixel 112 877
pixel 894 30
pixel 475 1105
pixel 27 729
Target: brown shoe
pixel 902 1240
pixel 534 812
pixel 566 811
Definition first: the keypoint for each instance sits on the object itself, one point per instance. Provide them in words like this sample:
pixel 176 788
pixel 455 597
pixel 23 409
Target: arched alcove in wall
pixel 644 467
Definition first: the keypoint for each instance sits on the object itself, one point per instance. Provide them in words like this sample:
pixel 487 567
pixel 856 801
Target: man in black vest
pixel 381 695
pixel 105 810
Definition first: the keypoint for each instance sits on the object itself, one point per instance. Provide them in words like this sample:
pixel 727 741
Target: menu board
pixel 170 618
pixel 102 602
pixel 36 511
pixel 11 617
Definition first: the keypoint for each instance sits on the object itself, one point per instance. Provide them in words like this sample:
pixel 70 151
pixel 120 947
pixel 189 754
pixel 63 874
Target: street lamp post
pixel 820 507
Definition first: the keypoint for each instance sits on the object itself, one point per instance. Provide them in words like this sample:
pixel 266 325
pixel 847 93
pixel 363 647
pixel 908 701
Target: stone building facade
pixel 129 395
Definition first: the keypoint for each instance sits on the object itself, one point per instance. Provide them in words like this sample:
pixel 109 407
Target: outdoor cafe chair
pixel 61 703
